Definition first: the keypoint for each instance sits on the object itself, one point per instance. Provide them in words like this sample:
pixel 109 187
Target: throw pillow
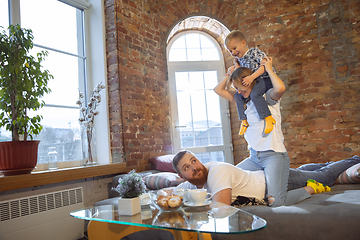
pixel 350 175
pixel 162 180
pixel 163 163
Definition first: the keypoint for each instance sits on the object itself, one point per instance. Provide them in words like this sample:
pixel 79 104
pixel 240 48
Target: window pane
pixel 179 43
pixel 210 54
pixel 201 136
pixel 177 55
pixel 61 130
pixel 4 14
pixel 53 23
pixel 210 79
pixel 198 109
pixel 181 81
pixel 192 40
pixel 206 42
pixel 187 138
pixel 5 135
pixel 210 156
pixel 213 107
pixel 184 109
pixel 198 106
pixel 193 47
pixel 193 54
pixel 196 80
pixel 185 122
pixel 64 87
pixel 213 111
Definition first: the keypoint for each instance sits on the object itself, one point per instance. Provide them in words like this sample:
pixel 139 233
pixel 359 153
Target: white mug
pixel 198 196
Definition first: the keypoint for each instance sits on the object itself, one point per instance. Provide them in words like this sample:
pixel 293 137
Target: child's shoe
pixel 318 187
pixel 269 124
pixel 244 126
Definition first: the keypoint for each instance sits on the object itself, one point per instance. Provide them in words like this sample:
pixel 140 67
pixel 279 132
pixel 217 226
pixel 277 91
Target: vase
pixel 89 145
pixel 129 206
pixel 18 157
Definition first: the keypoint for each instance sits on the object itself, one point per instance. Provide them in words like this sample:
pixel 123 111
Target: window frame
pixel 95 67
pixel 174 66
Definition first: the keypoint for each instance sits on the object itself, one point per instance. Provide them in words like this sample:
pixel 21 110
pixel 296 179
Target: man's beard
pixel 199 181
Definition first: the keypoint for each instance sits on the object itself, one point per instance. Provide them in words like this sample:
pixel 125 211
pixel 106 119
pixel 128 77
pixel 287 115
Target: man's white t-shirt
pixel 241 182
pixel 254 134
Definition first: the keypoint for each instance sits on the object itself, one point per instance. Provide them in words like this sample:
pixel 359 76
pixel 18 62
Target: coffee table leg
pixel 205 236
pixel 186 235
pixel 103 230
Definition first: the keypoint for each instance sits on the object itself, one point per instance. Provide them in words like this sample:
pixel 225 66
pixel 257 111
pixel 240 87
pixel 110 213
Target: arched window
pixel 200 119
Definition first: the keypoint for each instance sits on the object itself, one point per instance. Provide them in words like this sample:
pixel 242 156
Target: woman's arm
pixel 221 90
pixel 278 85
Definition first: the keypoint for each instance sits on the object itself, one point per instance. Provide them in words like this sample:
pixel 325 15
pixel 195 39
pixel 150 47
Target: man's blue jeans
pixel 276 165
pixel 325 173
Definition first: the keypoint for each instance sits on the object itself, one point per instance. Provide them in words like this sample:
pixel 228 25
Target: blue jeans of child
pixel 325 173
pixel 276 167
pixel 256 95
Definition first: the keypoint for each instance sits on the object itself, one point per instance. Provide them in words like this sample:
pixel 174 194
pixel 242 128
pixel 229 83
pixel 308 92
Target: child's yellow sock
pixel 269 124
pixel 318 187
pixel 244 126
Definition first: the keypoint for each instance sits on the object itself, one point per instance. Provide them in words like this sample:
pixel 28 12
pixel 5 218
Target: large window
pixel 60 27
pixel 4 14
pixel 200 117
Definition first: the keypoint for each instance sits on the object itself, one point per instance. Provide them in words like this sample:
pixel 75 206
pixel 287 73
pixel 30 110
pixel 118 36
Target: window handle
pixel 180 126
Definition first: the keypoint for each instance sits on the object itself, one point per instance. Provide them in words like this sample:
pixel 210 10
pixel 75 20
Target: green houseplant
pixel 23 82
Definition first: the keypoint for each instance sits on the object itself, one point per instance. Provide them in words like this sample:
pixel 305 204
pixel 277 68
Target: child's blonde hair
pixel 237 76
pixel 234 34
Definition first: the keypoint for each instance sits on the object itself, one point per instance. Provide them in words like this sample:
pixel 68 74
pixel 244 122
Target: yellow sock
pixel 244 126
pixel 318 187
pixel 269 124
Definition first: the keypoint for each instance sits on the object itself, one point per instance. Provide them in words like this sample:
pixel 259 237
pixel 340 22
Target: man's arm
pixel 278 85
pixel 223 196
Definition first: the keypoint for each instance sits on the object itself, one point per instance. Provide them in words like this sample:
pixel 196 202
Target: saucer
pixel 145 199
pixel 190 204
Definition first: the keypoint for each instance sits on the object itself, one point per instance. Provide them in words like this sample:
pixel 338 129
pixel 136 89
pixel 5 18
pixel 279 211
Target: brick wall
pixel 315 46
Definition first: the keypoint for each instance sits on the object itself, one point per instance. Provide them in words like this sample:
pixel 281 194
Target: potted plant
pixel 130 187
pixel 22 83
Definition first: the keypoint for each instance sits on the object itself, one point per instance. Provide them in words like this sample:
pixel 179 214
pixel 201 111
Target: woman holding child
pixel 267 151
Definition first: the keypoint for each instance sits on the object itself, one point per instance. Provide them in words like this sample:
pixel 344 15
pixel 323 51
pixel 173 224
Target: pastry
pixel 174 202
pixel 169 201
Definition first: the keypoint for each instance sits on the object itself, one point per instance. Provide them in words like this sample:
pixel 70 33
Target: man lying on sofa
pixel 229 184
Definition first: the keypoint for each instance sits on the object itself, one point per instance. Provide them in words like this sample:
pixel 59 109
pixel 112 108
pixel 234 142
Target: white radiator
pixel 42 217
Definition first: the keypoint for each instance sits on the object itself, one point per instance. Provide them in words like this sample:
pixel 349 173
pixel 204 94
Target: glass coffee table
pixel 185 223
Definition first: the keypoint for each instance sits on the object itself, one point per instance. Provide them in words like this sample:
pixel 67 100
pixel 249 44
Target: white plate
pixel 145 199
pixel 146 202
pixel 190 204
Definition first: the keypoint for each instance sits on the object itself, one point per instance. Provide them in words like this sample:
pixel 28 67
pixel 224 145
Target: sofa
pixel 331 215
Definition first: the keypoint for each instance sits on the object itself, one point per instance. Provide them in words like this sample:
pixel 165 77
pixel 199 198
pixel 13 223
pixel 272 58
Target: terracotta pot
pixel 18 157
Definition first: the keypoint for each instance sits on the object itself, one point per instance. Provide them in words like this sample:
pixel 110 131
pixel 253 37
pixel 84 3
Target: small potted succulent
pixel 23 82
pixel 130 187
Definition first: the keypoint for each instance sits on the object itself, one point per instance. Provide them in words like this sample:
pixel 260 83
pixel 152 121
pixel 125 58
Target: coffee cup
pixel 198 196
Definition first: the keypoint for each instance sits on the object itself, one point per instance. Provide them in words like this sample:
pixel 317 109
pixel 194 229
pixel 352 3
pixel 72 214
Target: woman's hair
pixel 238 75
